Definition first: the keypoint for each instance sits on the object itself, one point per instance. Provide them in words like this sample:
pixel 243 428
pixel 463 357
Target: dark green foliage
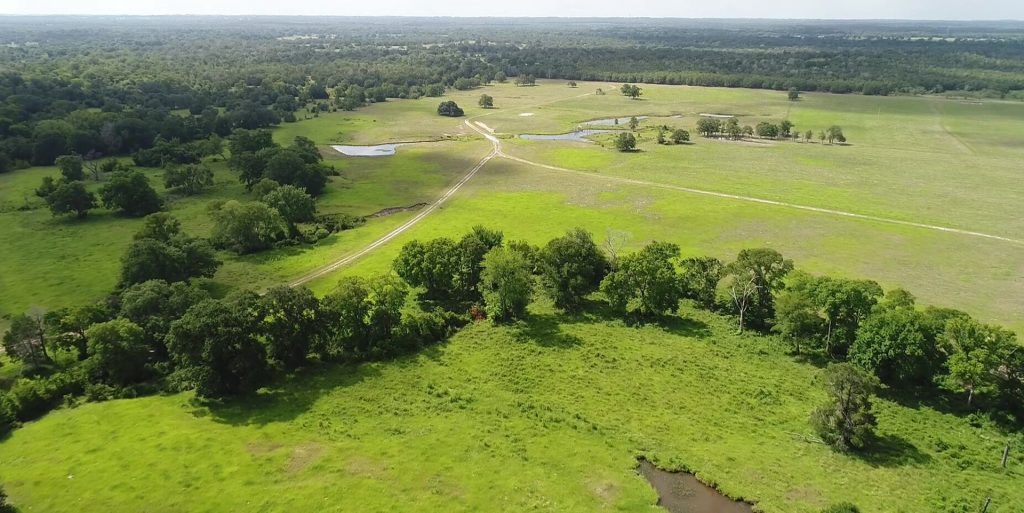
pixel 699 279
pixel 846 421
pixel 794 94
pixel 432 265
pixel 450 109
pixel 571 267
pixel 247 227
pixel 824 311
pixel 486 101
pixel 216 348
pixel 294 205
pixel 362 317
pixel 70 168
pixel 709 126
pixel 189 179
pixel 68 326
pixel 130 193
pixel 767 130
pixel 291 322
pixel 754 279
pixel 70 197
pixel 977 356
pixel 34 397
pixel 680 136
pixel 8 421
pixel 506 284
pixel 154 305
pixel 893 344
pixel 161 252
pixel 625 141
pixel 117 352
pixel 631 90
pixel 646 284
pixel 26 339
pixel 290 166
pixel 471 250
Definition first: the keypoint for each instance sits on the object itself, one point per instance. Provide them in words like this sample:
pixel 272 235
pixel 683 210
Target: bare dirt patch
pixel 384 212
pixel 302 457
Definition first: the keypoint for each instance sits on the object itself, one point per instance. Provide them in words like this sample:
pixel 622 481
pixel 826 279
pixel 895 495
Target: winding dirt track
pixel 496 151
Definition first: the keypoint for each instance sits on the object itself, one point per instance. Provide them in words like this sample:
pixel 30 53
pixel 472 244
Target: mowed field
pixel 550 414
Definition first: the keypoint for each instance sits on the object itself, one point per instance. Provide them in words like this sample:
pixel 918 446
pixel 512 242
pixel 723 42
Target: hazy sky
pixel 860 9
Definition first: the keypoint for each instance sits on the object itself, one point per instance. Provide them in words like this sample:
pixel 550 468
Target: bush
pixel 8 419
pixel 34 397
pixel 625 141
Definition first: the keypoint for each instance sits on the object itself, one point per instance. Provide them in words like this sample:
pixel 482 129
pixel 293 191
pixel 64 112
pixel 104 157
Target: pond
pixel 681 492
pixel 577 136
pixel 379 150
pixel 612 121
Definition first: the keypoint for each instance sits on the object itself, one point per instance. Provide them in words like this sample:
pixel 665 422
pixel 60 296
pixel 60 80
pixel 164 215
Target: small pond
pixel 380 150
pixel 577 136
pixel 612 121
pixel 681 492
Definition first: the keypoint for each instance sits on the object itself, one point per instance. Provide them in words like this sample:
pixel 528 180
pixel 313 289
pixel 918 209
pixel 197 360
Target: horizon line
pixel 456 16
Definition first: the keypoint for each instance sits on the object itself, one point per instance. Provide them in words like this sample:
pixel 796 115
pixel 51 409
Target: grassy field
pixel 547 415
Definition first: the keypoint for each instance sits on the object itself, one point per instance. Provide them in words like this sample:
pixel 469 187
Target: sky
pixel 809 9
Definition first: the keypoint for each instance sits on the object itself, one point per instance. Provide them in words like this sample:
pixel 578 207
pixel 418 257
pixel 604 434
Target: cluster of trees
pixel 161 331
pixel 631 90
pixel 125 190
pixel 785 129
pixel 256 157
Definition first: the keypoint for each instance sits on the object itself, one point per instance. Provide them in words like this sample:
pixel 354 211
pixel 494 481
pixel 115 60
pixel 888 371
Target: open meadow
pixel 551 413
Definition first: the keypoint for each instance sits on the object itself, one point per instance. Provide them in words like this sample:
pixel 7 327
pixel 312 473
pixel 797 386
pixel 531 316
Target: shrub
pixel 842 507
pixel 450 109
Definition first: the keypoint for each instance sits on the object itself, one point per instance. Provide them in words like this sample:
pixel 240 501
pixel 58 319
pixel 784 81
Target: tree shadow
pixel 892 451
pixel 545 330
pixel 817 360
pixel 285 401
pixel 684 326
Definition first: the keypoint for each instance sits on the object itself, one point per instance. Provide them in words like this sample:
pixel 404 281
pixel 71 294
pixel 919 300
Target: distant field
pixel 545 416
pixel 924 160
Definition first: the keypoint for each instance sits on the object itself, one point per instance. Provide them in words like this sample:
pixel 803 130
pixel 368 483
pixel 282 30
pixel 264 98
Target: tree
pixel 486 101
pixel 680 136
pixel 291 323
pixel 345 313
pixel 976 354
pixel 625 141
pixel 292 166
pixel 247 227
pixel 189 179
pixel 500 77
pixel 387 295
pixel 835 134
pixel 131 193
pixel 794 94
pixel 796 317
pixel 160 251
pixel 755 276
pixel 808 135
pixel 71 197
pixel 699 278
pixel 661 136
pixel 748 131
pixel 571 267
pixel 632 91
pixel 450 109
pixel 732 128
pixel 767 130
pixel 215 346
pixel 633 123
pixel 26 339
pixel 471 250
pixel 785 128
pixel 708 126
pixel 506 284
pixel 160 226
pixel 117 352
pixel 294 205
pixel 71 168
pixel 846 421
pixel 432 265
pixel 892 344
pixel 154 305
pixel 572 83
pixel 68 326
pixel 646 284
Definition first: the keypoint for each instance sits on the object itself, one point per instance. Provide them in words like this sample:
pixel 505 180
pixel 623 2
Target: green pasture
pixel 548 415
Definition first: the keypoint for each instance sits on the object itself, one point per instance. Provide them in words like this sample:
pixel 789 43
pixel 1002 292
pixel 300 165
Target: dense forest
pixel 97 86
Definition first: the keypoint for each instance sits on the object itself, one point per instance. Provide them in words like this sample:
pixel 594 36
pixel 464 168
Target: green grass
pixel 548 415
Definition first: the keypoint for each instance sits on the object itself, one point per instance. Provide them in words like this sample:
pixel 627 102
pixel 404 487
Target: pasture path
pixel 496 152
pixel 960 143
